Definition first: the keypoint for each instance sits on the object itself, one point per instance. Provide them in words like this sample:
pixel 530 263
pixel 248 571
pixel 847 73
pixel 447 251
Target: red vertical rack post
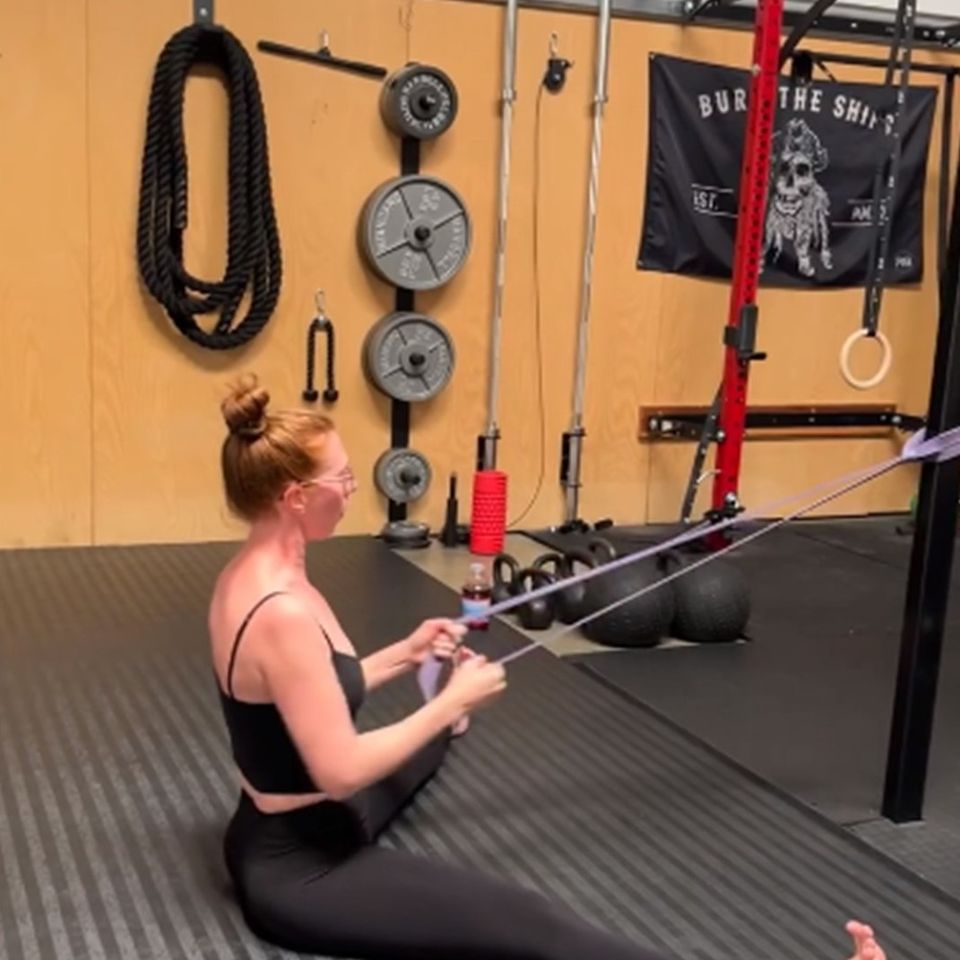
pixel 741 328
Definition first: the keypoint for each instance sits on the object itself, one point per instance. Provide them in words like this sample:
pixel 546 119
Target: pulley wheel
pixel 402 474
pixel 418 101
pixel 415 232
pixel 408 356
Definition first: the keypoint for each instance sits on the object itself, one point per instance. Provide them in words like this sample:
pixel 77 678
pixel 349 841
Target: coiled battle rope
pixel 253 246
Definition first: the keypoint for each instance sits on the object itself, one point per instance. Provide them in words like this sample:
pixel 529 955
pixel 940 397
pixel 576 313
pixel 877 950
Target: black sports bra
pixel 259 740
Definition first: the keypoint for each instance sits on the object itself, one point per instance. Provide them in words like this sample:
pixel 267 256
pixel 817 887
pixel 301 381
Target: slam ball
pixel 712 603
pixel 640 622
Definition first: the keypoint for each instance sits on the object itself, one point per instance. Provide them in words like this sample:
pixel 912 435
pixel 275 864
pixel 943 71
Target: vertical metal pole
pixel 748 252
pixel 888 172
pixel 946 158
pixel 928 587
pixel 573 439
pixel 487 446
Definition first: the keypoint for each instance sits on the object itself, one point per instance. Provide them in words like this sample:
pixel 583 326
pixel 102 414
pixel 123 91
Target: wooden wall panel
pixel 548 206
pixel 44 364
pixel 157 420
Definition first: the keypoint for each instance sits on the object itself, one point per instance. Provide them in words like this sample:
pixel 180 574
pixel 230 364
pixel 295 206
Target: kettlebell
pixel 603 550
pixel 570 603
pixel 548 560
pixel 597 552
pixel 567 603
pixel 504 589
pixel 535 614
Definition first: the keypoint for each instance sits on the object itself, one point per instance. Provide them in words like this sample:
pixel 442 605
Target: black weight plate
pixel 418 101
pixel 402 474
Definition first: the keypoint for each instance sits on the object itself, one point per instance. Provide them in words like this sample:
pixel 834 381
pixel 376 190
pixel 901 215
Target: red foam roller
pixel 488 518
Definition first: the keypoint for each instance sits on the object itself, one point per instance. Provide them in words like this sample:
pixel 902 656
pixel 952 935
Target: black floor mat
pixel 807 703
pixel 877 539
pixel 117 782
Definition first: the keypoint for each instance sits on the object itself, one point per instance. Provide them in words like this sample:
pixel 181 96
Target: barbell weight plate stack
pixel 408 356
pixel 415 232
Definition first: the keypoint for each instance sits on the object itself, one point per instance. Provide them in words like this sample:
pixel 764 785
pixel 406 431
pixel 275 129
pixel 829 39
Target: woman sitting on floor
pixel 301 847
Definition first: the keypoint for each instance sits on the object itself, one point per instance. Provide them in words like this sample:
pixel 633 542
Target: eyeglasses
pixel 346 479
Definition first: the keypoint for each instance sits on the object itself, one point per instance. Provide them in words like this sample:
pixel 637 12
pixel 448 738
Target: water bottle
pixel 476 597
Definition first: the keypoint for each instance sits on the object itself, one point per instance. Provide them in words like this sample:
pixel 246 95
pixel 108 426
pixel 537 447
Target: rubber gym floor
pixel 716 802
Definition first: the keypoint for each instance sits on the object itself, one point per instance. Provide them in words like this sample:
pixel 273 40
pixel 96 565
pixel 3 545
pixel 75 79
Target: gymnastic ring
pixel 885 362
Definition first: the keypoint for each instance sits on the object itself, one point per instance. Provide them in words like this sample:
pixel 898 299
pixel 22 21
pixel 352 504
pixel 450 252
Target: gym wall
pixel 111 417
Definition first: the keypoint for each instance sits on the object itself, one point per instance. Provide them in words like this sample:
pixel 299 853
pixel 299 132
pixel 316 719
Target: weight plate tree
pixel 402 474
pixel 408 356
pixel 415 232
pixel 418 101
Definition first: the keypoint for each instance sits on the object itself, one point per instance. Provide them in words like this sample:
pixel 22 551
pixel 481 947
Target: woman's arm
pixel 387 664
pixel 438 637
pixel 302 683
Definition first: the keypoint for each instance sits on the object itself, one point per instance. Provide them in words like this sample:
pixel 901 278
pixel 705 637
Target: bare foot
pixel 865 946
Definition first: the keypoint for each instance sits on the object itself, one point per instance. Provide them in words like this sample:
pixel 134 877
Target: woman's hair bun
pixel 244 408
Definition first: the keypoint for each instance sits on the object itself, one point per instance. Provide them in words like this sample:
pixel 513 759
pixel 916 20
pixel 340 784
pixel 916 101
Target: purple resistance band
pixel 944 446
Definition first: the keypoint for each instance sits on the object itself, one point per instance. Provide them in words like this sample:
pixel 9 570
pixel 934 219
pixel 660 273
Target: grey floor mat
pixel 117 783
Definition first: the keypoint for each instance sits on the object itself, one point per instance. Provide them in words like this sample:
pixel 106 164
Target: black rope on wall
pixel 253 245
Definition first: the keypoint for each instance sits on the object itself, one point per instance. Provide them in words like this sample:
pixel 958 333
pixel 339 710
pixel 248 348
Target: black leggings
pixel 314 881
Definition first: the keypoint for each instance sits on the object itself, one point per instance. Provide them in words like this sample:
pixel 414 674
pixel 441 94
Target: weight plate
pixel 408 356
pixel 402 474
pixel 418 101
pixel 415 232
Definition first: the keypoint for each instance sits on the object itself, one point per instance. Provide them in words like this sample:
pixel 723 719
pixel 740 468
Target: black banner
pixel 830 138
